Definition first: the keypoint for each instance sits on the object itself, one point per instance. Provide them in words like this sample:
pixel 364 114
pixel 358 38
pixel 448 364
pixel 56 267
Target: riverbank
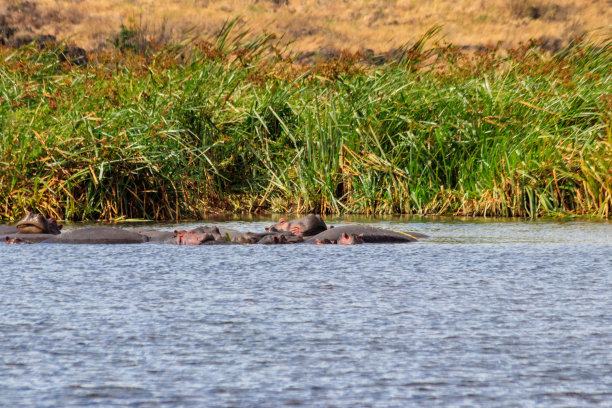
pixel 233 125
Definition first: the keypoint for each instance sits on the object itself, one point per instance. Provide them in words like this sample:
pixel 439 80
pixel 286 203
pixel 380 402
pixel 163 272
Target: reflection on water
pixel 485 312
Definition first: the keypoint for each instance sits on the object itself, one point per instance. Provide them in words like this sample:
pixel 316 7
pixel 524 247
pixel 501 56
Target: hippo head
pixel 350 239
pixel 323 241
pixel 309 225
pixel 34 223
pixel 182 237
pixel 282 225
pixel 16 240
pixel 53 226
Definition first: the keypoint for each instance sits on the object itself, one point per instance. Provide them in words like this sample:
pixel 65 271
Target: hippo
pixel 223 234
pixel 98 235
pixel 366 234
pixel 211 235
pixel 182 237
pixel 307 226
pixel 231 235
pixel 344 239
pixel 270 238
pixel 323 241
pixel 34 223
pixel 203 235
pixel 28 238
pixel 220 242
pixel 350 239
pixel 228 234
pixel 157 236
pixel 16 240
pixel 36 228
pixel 8 229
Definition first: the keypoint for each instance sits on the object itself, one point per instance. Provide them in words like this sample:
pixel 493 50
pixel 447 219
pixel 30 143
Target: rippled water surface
pixel 483 313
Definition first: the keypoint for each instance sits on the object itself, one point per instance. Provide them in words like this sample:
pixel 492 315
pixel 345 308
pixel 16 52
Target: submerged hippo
pixel 350 239
pixel 16 240
pixel 307 226
pixel 221 236
pixel 344 239
pixel 364 233
pixel 158 236
pixel 182 237
pixel 27 238
pixel 309 229
pixel 284 237
pixel 323 241
pixel 211 235
pixel 98 235
pixel 34 223
pixel 8 229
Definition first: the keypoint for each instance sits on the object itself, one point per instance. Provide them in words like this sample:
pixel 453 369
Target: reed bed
pixel 231 124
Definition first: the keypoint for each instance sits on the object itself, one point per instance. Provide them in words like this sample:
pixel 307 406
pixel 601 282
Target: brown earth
pixel 311 25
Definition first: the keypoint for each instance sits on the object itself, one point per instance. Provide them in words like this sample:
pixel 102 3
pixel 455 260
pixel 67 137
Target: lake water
pixel 483 313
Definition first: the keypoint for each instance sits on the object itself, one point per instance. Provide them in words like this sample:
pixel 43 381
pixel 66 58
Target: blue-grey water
pixel 484 313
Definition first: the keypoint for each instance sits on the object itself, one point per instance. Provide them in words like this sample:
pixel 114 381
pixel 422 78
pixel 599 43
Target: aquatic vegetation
pixel 231 124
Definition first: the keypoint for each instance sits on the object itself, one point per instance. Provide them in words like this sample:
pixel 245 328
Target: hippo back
pixel 8 229
pixel 369 234
pixel 159 236
pixel 98 235
pixel 29 238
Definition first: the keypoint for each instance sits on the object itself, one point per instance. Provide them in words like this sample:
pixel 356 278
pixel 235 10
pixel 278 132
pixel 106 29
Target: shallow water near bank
pixel 486 312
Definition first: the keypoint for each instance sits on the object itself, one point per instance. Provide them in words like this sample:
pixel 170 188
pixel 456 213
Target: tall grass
pixel 230 124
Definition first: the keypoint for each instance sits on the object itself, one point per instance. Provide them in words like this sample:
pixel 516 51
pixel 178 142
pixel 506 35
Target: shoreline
pixel 232 124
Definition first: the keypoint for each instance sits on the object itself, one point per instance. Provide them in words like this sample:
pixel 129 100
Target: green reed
pixel 231 124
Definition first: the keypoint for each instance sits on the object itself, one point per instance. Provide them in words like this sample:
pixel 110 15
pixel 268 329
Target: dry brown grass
pixel 312 25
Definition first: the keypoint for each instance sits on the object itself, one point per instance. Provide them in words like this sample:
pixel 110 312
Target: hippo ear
pixel 282 221
pixel 345 235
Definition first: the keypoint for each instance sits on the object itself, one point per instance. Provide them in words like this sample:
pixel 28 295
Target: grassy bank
pixel 230 124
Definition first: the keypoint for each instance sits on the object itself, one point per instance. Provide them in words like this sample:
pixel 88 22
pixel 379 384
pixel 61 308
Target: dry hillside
pixel 313 25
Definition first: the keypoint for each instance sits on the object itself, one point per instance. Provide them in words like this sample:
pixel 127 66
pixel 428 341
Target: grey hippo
pixel 32 228
pixel 311 229
pixel 34 223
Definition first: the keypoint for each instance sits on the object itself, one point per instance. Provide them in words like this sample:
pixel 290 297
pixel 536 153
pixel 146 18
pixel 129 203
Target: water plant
pixel 232 124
